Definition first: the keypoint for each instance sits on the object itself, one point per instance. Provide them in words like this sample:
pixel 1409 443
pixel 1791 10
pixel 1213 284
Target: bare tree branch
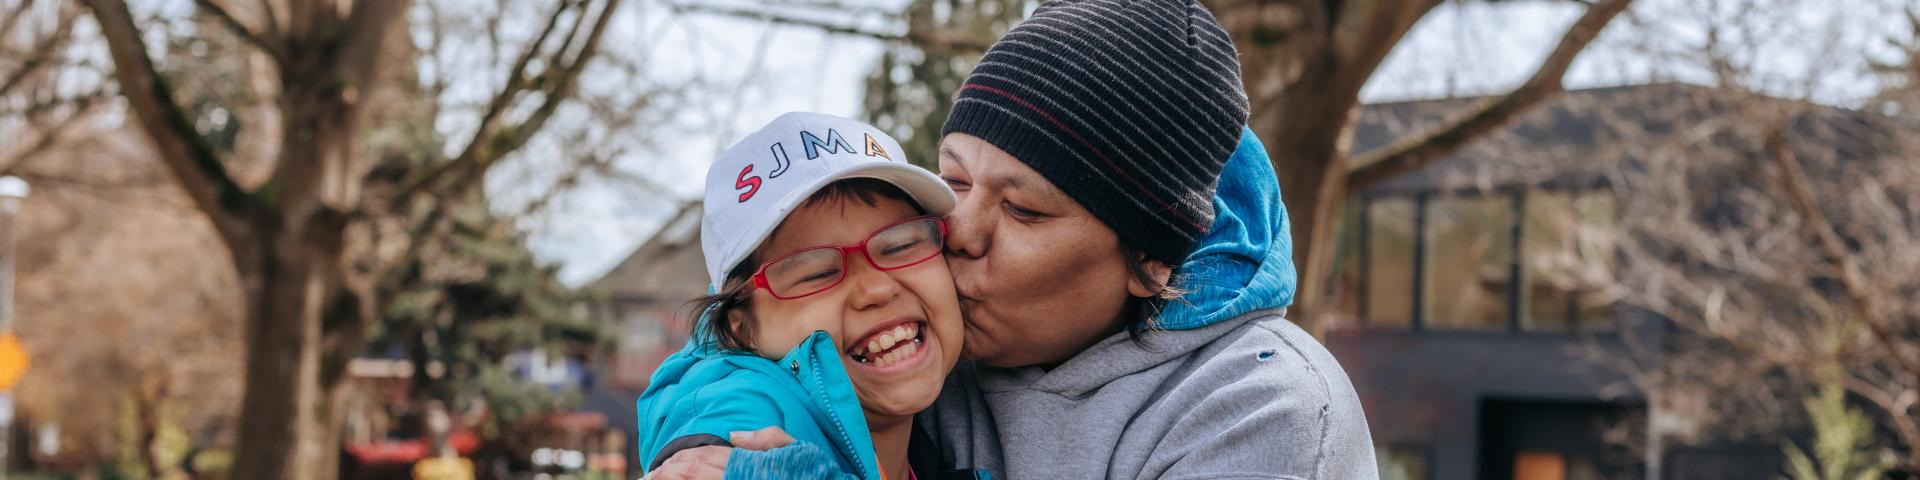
pixel 99 186
pixel 270 18
pixel 14 17
pixel 556 83
pixel 839 7
pixel 1414 153
pixel 326 183
pixel 560 86
pixel 1794 181
pixel 368 29
pixel 925 40
pixel 438 89
pixel 1889 402
pixel 41 53
pixel 49 136
pixel 182 149
pixel 264 43
pixel 490 121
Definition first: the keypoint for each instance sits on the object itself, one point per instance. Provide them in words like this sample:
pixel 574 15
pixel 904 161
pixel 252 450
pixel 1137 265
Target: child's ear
pixel 740 325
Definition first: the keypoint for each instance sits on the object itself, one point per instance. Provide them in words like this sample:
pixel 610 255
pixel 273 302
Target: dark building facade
pixel 1471 305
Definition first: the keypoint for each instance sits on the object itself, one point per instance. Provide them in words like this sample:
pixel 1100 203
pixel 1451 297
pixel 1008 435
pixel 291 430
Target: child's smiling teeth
pixel 889 347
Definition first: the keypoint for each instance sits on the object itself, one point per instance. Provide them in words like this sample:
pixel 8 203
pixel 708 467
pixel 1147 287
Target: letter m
pixel 834 143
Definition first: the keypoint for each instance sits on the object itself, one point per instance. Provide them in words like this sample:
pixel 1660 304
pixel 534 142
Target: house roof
pixel 667 266
pixel 1579 137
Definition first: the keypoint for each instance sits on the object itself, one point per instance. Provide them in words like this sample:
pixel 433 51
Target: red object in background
pixel 577 421
pixel 408 451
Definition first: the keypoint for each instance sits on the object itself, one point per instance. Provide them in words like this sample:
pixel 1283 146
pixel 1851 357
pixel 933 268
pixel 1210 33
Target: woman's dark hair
pixel 1146 310
pixel 729 320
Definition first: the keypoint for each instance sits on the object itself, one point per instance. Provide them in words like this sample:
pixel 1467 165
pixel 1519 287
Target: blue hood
pixel 1245 262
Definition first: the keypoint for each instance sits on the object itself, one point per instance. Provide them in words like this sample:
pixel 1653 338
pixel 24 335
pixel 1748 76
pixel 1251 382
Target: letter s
pixel 751 184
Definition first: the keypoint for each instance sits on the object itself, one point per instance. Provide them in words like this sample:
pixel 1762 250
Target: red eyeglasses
pixel 816 269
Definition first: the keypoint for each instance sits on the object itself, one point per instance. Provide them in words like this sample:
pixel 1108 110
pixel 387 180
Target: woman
pixel 1085 150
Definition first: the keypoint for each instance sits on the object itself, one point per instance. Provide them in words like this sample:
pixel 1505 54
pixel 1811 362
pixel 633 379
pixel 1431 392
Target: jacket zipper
pixel 839 425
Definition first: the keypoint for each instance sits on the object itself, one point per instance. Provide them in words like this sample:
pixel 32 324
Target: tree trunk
pixel 288 430
pixel 1310 141
pixel 284 422
pixel 1304 65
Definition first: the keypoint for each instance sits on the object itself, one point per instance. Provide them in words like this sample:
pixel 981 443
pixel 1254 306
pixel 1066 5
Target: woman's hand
pixel 710 463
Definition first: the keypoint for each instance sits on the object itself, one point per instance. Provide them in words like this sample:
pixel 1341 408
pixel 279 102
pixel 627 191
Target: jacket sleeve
pixel 708 415
pixel 1279 407
pixel 800 460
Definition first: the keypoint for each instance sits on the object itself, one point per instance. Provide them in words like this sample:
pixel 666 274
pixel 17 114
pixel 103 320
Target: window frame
pixel 1516 235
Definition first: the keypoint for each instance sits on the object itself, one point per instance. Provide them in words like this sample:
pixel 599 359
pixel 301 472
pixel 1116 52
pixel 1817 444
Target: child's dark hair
pixel 729 320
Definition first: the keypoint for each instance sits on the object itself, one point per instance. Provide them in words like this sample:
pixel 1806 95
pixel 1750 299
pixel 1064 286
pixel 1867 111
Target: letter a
pixel 873 148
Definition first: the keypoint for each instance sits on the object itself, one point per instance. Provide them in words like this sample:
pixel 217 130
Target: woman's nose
pixel 969 231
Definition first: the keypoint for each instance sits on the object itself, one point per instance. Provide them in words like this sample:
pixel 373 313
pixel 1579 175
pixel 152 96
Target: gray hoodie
pixel 1248 397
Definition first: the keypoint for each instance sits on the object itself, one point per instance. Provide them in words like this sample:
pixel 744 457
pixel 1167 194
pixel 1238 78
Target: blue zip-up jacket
pixel 703 392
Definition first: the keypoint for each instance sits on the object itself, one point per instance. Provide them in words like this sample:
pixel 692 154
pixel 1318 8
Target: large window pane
pixel 1552 263
pixel 1468 262
pixel 1567 260
pixel 1390 246
pixel 1596 212
pixel 1343 283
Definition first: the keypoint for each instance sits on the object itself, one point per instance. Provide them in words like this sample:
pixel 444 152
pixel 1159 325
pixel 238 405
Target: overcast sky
pixel 753 71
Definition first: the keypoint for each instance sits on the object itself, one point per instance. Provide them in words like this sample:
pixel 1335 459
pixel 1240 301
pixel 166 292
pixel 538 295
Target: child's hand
pixel 763 439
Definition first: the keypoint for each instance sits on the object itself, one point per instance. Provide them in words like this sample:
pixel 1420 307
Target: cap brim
pixel 927 189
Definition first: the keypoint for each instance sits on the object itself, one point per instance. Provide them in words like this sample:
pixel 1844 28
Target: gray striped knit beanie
pixel 1129 106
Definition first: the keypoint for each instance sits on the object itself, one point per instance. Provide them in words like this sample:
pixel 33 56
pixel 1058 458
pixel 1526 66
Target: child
pixel 834 316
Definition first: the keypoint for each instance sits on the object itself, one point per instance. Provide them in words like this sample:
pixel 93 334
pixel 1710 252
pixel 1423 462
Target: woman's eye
pixel 1022 213
pixel 954 183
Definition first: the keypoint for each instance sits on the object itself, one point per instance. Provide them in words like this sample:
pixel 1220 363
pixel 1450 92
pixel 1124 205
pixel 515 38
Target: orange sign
pixel 13 360
pixel 439 468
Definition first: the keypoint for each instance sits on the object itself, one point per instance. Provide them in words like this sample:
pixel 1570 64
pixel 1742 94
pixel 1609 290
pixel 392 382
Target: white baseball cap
pixel 754 184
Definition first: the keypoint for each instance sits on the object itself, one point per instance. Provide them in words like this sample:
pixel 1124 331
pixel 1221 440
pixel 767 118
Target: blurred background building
pixel 1482 315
